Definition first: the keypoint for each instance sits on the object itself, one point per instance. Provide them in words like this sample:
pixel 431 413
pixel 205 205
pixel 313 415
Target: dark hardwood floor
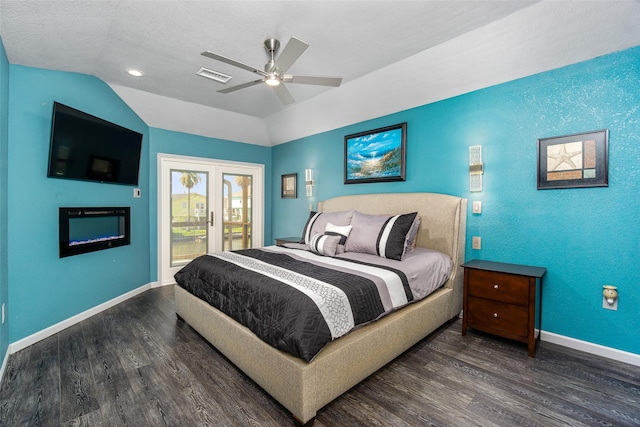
pixel 136 365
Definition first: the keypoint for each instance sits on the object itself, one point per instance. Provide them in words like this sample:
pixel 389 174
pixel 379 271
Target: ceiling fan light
pixel 272 80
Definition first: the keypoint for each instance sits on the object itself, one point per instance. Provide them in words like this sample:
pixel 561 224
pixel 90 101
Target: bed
pixel 305 387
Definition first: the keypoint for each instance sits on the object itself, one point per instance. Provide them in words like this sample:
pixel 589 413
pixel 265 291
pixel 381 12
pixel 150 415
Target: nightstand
pixel 282 240
pixel 503 299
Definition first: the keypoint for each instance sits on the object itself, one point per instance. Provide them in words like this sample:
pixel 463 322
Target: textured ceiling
pixel 361 41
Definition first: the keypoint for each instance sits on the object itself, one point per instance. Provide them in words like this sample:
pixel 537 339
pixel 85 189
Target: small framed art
pixel 577 160
pixel 289 186
pixel 376 155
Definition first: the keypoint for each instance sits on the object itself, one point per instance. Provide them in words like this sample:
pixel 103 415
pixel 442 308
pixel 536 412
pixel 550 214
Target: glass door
pixel 190 215
pixel 206 206
pixel 186 218
pixel 237 212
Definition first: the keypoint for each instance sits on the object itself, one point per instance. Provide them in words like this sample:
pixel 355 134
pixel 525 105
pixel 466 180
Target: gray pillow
pixel 324 244
pixel 381 235
pixel 318 221
pixel 339 230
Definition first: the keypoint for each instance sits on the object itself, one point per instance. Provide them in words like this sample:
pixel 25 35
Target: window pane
pixel 189 231
pixel 237 192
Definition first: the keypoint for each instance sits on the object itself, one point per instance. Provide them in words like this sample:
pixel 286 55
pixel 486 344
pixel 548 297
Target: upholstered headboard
pixel 443 222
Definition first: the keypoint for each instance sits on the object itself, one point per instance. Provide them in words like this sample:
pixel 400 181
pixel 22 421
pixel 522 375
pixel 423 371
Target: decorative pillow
pixel 318 221
pixel 323 244
pixel 339 230
pixel 381 235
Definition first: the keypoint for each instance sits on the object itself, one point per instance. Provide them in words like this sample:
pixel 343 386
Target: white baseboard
pixel 588 347
pixel 157 284
pixel 54 329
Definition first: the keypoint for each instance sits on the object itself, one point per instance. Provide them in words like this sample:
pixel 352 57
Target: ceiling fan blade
pixel 291 52
pixel 313 80
pixel 233 62
pixel 284 94
pixel 242 86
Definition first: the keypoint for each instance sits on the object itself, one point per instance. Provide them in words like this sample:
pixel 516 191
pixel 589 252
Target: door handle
pixel 212 219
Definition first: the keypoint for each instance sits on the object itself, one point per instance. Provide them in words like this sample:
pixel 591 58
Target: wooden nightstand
pixel 282 240
pixel 503 299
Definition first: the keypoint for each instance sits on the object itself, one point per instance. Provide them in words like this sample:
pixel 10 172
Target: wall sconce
pixel 308 175
pixel 610 294
pixel 476 168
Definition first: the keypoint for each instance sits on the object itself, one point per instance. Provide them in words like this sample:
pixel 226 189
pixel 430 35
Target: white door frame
pixel 257 202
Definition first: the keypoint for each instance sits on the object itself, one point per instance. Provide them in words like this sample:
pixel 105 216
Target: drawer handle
pixel 495 314
pixel 495 286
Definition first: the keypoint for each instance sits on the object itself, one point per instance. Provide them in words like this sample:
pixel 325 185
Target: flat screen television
pixel 85 147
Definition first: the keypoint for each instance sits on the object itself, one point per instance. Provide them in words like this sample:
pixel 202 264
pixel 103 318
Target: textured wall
pixel 43 288
pixel 585 237
pixel 4 164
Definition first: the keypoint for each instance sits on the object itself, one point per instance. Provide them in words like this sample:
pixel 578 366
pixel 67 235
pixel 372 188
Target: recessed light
pixel 135 73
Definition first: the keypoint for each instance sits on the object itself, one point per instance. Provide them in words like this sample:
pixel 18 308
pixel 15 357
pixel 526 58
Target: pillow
pixel 318 221
pixel 339 230
pixel 323 244
pixel 381 235
pixel 412 235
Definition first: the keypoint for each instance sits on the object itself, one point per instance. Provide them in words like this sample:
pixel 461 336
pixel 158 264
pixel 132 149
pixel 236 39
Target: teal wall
pixel 43 288
pixel 4 165
pixel 170 142
pixel 58 289
pixel 586 237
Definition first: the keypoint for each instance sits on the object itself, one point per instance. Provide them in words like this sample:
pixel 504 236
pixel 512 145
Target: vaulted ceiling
pixel 391 55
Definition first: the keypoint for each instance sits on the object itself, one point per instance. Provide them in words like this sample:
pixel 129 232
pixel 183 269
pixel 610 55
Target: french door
pixel 206 206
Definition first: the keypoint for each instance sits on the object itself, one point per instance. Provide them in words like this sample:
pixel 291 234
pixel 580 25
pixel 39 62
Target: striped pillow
pixel 318 221
pixel 339 230
pixel 381 235
pixel 324 244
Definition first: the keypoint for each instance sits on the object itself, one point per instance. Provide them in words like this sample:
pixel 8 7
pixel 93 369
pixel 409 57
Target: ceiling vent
pixel 213 75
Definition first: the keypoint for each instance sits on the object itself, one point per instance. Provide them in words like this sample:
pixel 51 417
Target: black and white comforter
pixel 297 301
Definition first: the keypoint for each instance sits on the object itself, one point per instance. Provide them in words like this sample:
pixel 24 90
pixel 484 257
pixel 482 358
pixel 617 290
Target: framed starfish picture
pixel 570 161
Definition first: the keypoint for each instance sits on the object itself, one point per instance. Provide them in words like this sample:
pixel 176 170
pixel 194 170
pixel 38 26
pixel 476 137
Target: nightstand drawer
pixel 511 321
pixel 503 287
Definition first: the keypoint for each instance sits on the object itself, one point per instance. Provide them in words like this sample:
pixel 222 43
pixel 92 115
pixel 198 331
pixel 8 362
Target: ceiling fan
pixel 274 70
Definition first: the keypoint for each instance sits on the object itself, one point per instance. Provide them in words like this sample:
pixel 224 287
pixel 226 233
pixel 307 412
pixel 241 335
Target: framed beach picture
pixel 570 161
pixel 376 155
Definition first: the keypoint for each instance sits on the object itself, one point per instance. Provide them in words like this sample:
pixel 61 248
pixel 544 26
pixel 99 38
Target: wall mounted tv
pixel 84 147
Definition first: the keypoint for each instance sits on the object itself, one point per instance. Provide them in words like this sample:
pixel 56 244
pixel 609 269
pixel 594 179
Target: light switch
pixel 477 207
pixel 476 242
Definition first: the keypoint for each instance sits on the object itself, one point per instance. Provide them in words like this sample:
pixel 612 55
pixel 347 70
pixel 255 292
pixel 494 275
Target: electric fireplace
pixel 92 229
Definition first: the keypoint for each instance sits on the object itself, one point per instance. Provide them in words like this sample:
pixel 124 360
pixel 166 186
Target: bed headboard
pixel 443 223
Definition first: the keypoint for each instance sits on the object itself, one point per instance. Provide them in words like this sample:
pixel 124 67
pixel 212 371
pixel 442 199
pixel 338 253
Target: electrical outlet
pixel 476 242
pixel 137 193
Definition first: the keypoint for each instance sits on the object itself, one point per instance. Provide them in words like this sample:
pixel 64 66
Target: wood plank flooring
pixel 136 365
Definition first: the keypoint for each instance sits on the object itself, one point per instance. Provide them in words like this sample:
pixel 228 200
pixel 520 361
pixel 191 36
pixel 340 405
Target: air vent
pixel 213 75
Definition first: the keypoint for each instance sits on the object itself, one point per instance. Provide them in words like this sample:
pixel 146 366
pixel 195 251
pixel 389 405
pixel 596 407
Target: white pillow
pixel 339 230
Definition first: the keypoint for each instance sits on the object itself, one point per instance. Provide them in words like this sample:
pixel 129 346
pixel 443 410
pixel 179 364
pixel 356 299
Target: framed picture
pixel 375 156
pixel 289 186
pixel 570 161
